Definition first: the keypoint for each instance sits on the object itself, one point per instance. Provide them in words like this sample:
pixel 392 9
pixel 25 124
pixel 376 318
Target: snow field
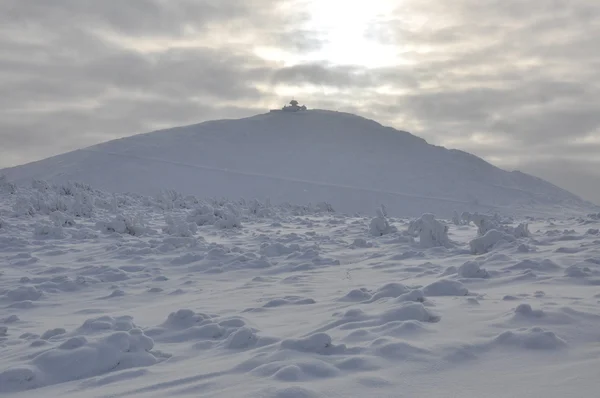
pixel 126 295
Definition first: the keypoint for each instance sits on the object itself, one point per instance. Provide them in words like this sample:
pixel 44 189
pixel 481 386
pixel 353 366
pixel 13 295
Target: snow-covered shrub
pixel 177 227
pixel 227 220
pixel 48 203
pixel 487 223
pixel 483 223
pixel 220 217
pixel 7 186
pixel 71 188
pixel 594 216
pixel 124 225
pixel 61 219
pixel 431 232
pixel 23 207
pixel 3 223
pixel 258 209
pixel 203 215
pixel 456 219
pixel 169 199
pixel 325 207
pixel 83 206
pixel 40 185
pixel 471 269
pixel 520 231
pixel 45 230
pixel 483 244
pixel 379 225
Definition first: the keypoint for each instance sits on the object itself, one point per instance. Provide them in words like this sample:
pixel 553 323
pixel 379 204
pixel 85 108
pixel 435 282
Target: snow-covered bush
pixel 23 207
pixel 324 207
pixel 61 219
pixel 456 219
pixel 45 230
pixel 431 232
pixel 483 223
pixel 220 217
pixel 203 215
pixel 7 186
pixel 379 225
pixel 71 188
pixel 40 185
pixel 169 199
pixel 178 227
pixel 520 231
pixel 83 205
pixel 483 244
pixel 471 269
pixel 3 223
pixel 228 220
pixel 258 209
pixel 124 225
pixel 487 223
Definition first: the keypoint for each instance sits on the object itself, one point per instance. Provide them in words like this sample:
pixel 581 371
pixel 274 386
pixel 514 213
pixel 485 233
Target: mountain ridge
pixel 308 156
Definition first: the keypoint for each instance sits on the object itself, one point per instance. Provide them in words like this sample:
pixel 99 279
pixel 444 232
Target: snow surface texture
pixel 353 163
pixel 105 295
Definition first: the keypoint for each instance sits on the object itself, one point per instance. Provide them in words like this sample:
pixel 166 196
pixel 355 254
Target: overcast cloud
pixel 514 81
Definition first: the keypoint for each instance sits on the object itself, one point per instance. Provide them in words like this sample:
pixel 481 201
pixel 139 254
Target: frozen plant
pixel 485 243
pixel 177 227
pixel 124 225
pixel 61 219
pixel 45 230
pixel 431 232
pixel 7 186
pixel 456 219
pixel 379 225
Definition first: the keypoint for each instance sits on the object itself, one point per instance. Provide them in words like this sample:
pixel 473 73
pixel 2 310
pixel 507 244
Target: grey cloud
pixel 526 73
pixel 323 74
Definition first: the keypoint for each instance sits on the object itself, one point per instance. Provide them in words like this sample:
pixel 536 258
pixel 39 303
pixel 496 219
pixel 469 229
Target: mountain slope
pixel 351 162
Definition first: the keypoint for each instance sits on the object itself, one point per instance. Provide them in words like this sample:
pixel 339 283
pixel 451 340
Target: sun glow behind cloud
pixel 343 28
pixel 345 24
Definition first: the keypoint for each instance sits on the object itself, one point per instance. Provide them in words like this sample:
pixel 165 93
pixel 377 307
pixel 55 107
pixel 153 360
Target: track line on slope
pixel 288 179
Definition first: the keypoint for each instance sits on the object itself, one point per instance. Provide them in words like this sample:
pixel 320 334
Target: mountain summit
pixel 355 164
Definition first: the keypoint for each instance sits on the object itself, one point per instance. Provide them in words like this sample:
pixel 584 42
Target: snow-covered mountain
pixel 351 162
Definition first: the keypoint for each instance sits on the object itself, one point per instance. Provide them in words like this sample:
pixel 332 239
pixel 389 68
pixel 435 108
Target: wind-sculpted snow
pixel 123 295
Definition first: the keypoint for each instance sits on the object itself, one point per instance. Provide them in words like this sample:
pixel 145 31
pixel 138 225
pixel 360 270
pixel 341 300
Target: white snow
pixel 337 160
pixel 245 262
pixel 105 294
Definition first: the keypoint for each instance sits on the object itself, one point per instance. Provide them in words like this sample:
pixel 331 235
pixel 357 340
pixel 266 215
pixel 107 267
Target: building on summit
pixel 293 107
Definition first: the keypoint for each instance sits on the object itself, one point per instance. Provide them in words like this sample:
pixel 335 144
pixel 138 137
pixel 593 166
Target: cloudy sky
pixel 516 82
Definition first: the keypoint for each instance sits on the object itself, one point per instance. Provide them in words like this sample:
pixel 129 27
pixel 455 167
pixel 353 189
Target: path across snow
pixel 106 295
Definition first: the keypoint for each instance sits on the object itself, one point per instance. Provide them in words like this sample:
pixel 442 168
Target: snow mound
pixel 77 358
pixel 471 269
pixel 207 331
pixel 445 287
pixel 319 343
pixel 534 338
pixel 487 242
